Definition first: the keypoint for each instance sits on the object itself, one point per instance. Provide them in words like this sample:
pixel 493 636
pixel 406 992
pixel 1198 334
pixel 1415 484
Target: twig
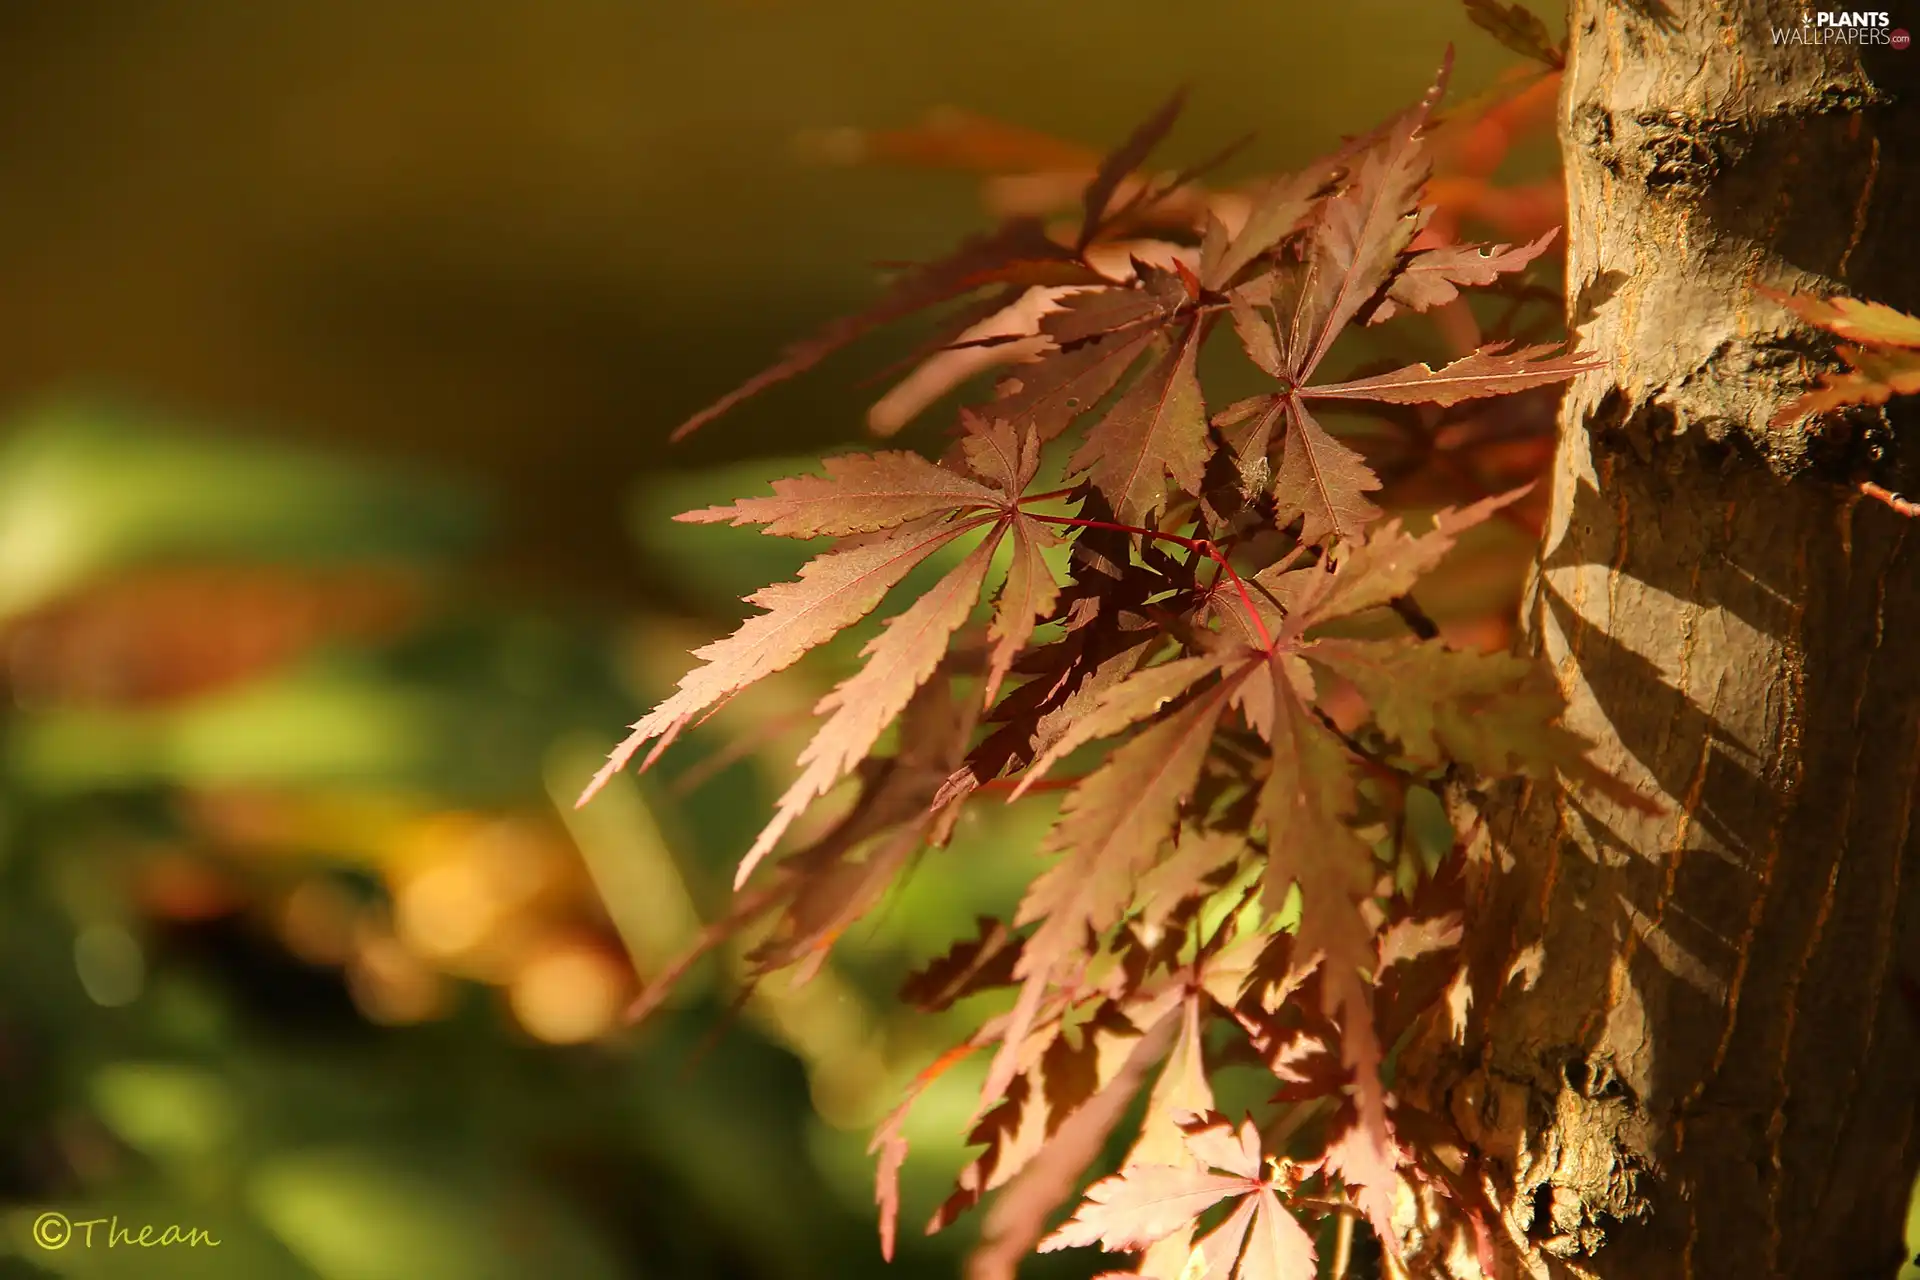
pixel 1905 506
pixel 1342 1248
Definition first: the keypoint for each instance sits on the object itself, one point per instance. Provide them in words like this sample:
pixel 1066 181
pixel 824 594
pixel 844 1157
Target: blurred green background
pixel 340 347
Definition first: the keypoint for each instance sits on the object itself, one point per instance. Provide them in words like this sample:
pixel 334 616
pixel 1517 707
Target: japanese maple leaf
pixel 903 509
pixel 1275 215
pixel 1518 28
pixel 860 493
pixel 1055 390
pixel 904 655
pixel 1181 1091
pixel 890 1138
pixel 1374 571
pixel 1107 331
pixel 1018 1217
pixel 1876 376
pixel 1029 593
pixel 1157 431
pixel 1308 797
pixel 1145 1203
pixel 1883 356
pixel 1061 1075
pixel 1361 233
pixel 1855 319
pixel 1019 253
pixel 1495 713
pixel 839 876
pixel 1287 322
pixel 1433 277
pixel 1111 824
pixel 1325 482
pixel 1493 370
pixel 834 590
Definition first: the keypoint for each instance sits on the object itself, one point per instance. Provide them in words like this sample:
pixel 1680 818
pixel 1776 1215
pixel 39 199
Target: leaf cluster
pixel 1233 660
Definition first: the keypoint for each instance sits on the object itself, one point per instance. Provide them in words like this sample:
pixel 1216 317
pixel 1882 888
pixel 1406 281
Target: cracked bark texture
pixel 1712 1073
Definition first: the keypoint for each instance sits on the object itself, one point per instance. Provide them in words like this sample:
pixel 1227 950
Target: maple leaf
pixel 1018 252
pixel 975 964
pixel 834 590
pixel 1418 952
pixel 1355 1156
pixel 1287 321
pixel 1490 371
pixel 1026 598
pixel 1053 392
pixel 1181 1091
pixel 880 490
pixel 1878 376
pixel 899 660
pixel 1519 29
pixel 1153 296
pixel 1885 365
pixel 1058 1075
pixel 1028 595
pixel 1495 713
pixel 1433 277
pixel 1110 824
pixel 890 1138
pixel 1018 1217
pixel 1361 233
pixel 1122 706
pixel 1308 796
pixel 825 886
pixel 1321 479
pixel 1157 429
pixel 1124 159
pixel 1856 319
pixel 861 493
pixel 1378 570
pixel 1068 677
pixel 1145 1203
pixel 1200 861
pixel 1276 214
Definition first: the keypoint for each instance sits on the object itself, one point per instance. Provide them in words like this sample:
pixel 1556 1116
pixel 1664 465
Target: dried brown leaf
pixel 1519 29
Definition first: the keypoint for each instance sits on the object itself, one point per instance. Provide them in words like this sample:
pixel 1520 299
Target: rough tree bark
pixel 1712 1074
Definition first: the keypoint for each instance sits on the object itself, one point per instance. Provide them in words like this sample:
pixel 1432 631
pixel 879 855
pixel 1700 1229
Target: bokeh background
pixel 338 349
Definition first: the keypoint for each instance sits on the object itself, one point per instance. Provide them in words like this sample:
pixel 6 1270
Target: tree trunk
pixel 1700 1065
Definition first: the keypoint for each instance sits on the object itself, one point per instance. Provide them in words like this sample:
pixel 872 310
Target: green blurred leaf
pixel 362 1214
pixel 87 490
pixel 165 1109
